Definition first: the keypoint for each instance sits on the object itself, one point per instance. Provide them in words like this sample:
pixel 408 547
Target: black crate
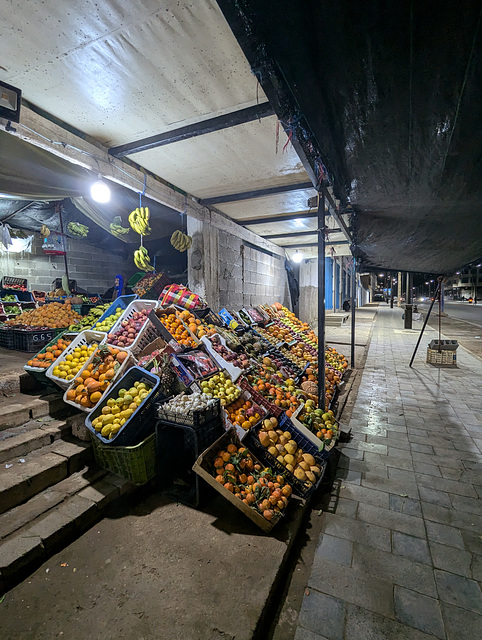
pixel 141 424
pixel 7 338
pixel 209 317
pixel 177 449
pixel 8 282
pixel 57 284
pixel 251 441
pixel 34 341
pixel 193 419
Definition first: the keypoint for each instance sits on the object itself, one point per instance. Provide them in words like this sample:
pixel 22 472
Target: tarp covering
pixel 391 93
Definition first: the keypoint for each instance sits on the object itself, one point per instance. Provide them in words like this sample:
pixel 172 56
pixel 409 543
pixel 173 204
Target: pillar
pixel 399 282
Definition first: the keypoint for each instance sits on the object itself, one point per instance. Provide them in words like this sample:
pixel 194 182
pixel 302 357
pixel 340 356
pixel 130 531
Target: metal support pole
pixel 391 291
pixel 58 209
pixel 321 300
pixel 353 302
pixel 424 325
pixel 399 282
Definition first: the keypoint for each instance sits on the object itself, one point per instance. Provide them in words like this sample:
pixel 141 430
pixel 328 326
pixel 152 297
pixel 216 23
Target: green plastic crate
pixel 137 463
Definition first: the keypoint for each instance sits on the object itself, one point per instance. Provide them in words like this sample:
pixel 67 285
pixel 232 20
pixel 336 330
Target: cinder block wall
pixel 93 269
pixel 249 277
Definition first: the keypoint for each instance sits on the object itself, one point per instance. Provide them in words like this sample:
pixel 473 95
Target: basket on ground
pixel 142 421
pixel 86 337
pixel 136 463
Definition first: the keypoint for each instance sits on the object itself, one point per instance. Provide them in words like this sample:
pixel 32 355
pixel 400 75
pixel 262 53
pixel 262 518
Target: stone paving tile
pixel 435 497
pixel 343 527
pixel 461 624
pixel 323 614
pixel 348 475
pixel 429 469
pixel 351 585
pixel 415 549
pixel 400 487
pixel 335 549
pixel 459 591
pixel 449 486
pixel 469 505
pixel 396 568
pixel 401 474
pixel 342 507
pixel 459 519
pixel 304 634
pixel 477 567
pixel 419 611
pixel 397 521
pixel 365 625
pixel 365 494
pixel 405 505
pixel 451 559
pixel 400 463
pixel 366 446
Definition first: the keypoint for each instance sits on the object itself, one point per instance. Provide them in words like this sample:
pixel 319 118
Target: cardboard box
pixel 203 467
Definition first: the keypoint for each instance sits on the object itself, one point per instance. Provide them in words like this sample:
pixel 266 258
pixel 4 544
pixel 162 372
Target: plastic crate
pixel 193 419
pixel 8 282
pixel 33 341
pixel 40 373
pixel 444 358
pixel 7 338
pixel 208 316
pixel 177 449
pixel 136 464
pixel 122 302
pixel 128 362
pixel 142 422
pixel 136 305
pixel 259 399
pixel 251 441
pixel 3 294
pixel 157 288
pixel 84 338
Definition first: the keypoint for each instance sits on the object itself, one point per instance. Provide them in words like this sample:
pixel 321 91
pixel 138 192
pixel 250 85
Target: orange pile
pixel 44 360
pixel 177 330
pixel 88 388
pixel 237 413
pixel 54 315
pixel 195 325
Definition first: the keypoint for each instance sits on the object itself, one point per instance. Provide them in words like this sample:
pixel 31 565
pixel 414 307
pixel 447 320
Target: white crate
pixel 127 364
pixel 136 305
pixel 84 338
pixel 445 357
pixel 66 336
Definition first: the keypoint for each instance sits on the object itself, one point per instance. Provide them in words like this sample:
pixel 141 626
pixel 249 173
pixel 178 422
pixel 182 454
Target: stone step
pixel 21 409
pixel 17 442
pixel 41 469
pixel 50 520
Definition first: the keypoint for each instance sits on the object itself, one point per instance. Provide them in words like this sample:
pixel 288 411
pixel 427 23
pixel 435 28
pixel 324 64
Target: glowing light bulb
pixel 298 257
pixel 100 191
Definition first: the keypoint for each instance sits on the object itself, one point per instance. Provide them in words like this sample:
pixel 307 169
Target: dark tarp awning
pixel 390 94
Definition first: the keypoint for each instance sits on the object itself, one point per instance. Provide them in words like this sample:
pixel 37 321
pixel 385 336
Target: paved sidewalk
pixel 401 551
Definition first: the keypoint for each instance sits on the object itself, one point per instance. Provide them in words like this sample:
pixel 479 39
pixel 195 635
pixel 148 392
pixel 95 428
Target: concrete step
pixel 20 409
pixel 30 533
pixel 42 468
pixel 17 442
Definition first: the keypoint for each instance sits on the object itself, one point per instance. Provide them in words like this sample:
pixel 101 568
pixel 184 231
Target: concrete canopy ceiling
pixel 120 72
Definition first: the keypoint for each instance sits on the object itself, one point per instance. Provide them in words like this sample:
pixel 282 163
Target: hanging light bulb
pixel 298 257
pixel 100 191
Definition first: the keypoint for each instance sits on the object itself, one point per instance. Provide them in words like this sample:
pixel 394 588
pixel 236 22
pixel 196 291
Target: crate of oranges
pixel 38 365
pixel 243 414
pixel 91 383
pixel 174 328
pixel 68 364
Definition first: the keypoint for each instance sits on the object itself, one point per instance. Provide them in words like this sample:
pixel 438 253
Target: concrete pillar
pixel 203 262
pixel 399 282
pixel 333 282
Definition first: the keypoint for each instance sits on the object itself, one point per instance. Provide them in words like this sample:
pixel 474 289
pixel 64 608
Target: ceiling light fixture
pixel 100 191
pixel 297 257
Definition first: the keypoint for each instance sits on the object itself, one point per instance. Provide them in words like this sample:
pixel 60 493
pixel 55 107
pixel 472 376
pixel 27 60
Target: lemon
pixel 56 371
pixel 70 377
pixel 62 374
pixel 69 357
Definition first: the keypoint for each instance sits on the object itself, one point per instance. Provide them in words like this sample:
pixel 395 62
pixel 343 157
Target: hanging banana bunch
pixel 117 229
pixel 142 260
pixel 44 231
pixel 139 221
pixel 78 230
pixel 181 241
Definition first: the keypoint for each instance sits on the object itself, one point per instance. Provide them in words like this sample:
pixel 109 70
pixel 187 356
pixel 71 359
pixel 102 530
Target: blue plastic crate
pixel 142 422
pixel 123 302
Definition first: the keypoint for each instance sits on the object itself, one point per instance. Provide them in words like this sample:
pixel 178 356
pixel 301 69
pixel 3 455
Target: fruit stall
pixel 191 399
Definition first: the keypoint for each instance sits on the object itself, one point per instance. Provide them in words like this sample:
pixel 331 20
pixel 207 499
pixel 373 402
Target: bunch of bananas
pixel 181 241
pixel 44 231
pixel 139 221
pixel 78 230
pixel 117 229
pixel 142 260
